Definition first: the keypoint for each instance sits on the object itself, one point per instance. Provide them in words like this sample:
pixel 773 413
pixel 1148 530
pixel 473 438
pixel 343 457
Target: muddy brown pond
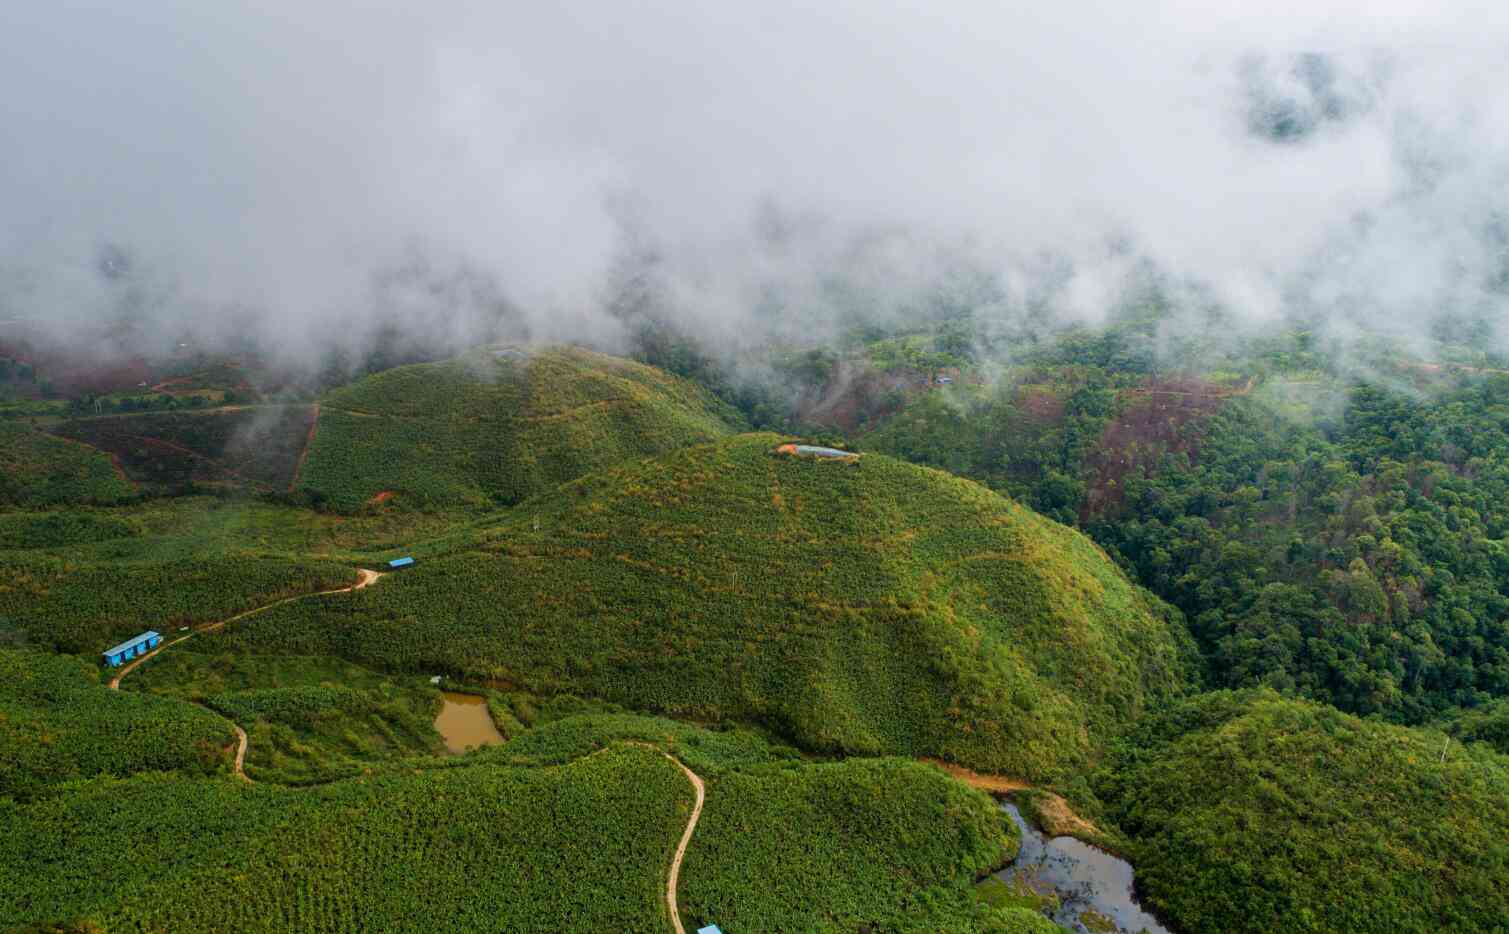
pixel 1092 887
pixel 464 722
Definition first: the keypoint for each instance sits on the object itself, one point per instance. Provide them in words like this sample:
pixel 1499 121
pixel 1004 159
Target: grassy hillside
pixel 1250 812
pixel 869 608
pixel 496 426
pixel 58 723
pixel 37 469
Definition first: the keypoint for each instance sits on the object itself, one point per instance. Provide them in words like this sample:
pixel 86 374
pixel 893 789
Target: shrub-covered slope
pixel 37 469
pixel 1250 812
pixel 58 723
pixel 496 426
pixel 867 608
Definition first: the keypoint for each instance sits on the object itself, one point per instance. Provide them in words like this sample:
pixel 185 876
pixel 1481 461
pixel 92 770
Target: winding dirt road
pixel 365 578
pixel 686 837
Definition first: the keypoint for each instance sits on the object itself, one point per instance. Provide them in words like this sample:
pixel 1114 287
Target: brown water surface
pixel 464 722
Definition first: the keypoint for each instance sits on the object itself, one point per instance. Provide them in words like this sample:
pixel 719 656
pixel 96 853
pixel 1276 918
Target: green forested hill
pixel 866 608
pixel 1255 813
pixel 498 425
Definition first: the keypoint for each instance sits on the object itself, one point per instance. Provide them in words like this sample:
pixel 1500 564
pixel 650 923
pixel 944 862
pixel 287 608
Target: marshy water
pixel 464 722
pixel 1084 879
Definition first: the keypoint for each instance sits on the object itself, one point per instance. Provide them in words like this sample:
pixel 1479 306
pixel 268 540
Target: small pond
pixel 1092 887
pixel 464 722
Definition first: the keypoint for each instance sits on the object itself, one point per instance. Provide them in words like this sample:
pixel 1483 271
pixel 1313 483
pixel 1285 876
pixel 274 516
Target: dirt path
pixel 365 578
pixel 994 784
pixel 686 837
pixel 240 751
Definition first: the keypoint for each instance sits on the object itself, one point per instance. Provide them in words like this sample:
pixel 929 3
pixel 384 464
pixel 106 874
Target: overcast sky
pixel 266 159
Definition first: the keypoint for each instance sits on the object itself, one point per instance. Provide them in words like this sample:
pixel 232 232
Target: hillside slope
pixel 37 469
pixel 1250 812
pixel 498 425
pixel 59 723
pixel 866 608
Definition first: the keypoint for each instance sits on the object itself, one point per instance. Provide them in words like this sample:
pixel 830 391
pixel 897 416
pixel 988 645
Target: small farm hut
pixel 813 450
pixel 134 647
pixel 398 564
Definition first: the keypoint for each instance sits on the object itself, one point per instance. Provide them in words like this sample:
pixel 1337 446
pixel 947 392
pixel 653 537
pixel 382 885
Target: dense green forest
pixel 1342 540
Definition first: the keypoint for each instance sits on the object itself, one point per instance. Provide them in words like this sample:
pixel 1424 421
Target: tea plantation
pixel 865 609
pixel 496 426
pixel 58 723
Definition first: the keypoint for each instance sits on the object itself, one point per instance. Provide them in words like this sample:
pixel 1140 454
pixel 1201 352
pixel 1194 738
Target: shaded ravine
pixel 365 578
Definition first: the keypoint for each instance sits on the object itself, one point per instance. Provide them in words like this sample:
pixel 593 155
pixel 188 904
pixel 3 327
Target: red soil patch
pixel 381 498
pixel 1152 425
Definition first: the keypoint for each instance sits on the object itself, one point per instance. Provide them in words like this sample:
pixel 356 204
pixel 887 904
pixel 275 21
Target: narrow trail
pixel 686 838
pixel 365 578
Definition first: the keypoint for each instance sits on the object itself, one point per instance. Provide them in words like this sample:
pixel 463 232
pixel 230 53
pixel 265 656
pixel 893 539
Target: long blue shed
pixel 398 564
pixel 710 929
pixel 134 647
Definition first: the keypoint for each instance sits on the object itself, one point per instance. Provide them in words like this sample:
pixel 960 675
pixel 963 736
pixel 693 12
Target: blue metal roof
pixel 133 641
pixel 710 929
pixel 816 451
pixel 401 562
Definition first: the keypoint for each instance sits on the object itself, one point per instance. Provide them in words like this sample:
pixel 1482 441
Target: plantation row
pixel 86 608
pixel 480 848
pixel 58 723
pixel 722 583
pixel 483 429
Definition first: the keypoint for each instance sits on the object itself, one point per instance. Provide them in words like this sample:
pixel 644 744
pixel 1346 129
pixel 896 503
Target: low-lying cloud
pixel 303 172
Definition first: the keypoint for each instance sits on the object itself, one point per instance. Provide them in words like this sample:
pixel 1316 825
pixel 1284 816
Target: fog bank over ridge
pixel 301 173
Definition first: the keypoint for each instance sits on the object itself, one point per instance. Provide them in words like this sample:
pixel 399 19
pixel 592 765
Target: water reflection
pixel 1094 888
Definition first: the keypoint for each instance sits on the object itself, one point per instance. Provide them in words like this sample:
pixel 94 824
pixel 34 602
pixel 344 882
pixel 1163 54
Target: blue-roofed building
pixel 710 929
pixel 398 564
pixel 134 647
